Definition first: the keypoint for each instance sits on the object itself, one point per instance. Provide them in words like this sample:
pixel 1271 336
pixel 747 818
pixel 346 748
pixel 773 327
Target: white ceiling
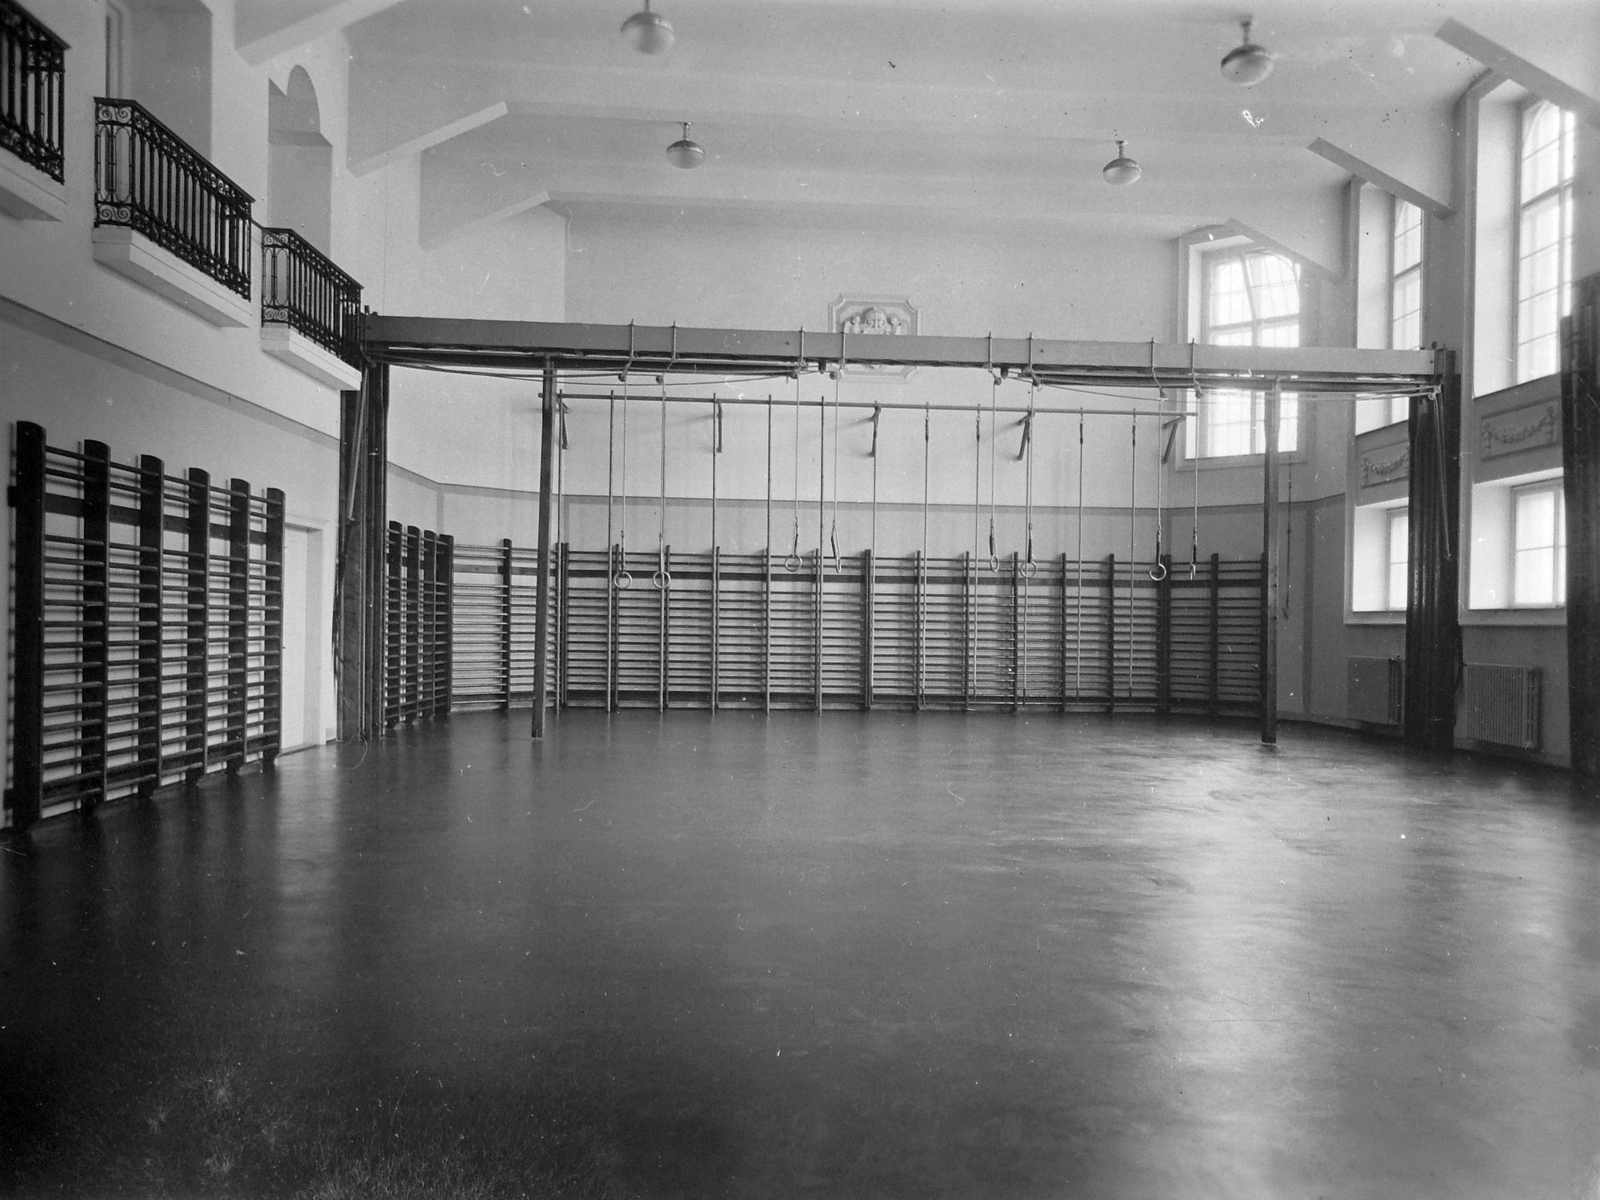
pixel 965 113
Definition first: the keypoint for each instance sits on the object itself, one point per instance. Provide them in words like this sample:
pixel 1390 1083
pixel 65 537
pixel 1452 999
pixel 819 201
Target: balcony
pixel 167 218
pixel 32 87
pixel 310 310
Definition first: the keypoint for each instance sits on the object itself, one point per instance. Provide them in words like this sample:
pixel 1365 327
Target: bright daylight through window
pixel 1251 298
pixel 1544 237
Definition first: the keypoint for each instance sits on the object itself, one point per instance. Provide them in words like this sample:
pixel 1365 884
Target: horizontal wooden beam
pixel 655 349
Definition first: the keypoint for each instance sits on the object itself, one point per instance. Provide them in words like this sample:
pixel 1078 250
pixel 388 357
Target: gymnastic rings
pixel 1028 568
pixel 994 564
pixel 1158 572
pixel 623 580
pixel 792 563
pixel 661 579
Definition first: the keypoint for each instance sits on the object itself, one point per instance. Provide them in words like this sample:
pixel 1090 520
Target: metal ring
pixel 1028 569
pixel 994 564
pixel 661 579
pixel 792 563
pixel 623 580
pixel 1194 570
pixel 1158 572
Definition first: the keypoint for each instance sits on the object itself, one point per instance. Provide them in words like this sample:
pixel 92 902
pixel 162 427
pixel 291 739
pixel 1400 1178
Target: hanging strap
pixel 661 578
pixel 1029 568
pixel 622 578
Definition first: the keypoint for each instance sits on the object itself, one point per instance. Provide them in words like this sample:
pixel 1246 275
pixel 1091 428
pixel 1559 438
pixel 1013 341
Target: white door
pixel 302 658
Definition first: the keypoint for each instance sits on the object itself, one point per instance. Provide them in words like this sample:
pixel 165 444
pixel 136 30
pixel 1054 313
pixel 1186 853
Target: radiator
pixel 1500 704
pixel 1377 690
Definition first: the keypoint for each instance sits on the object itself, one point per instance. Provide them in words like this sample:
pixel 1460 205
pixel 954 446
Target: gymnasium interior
pixel 801 598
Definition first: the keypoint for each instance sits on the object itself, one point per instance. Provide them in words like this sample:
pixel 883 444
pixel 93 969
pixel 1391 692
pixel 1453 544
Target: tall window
pixel 1251 298
pixel 1539 544
pixel 116 51
pixel 1544 237
pixel 1405 288
pixel 1399 557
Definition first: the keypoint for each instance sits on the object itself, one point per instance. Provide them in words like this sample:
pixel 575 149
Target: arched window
pixel 1250 298
pixel 300 166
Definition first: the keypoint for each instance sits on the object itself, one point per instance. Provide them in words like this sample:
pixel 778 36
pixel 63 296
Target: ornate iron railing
pixel 32 85
pixel 151 180
pixel 303 289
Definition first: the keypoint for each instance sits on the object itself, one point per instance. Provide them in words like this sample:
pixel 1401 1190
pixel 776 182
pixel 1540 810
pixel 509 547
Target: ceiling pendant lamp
pixel 1247 64
pixel 648 32
pixel 1122 170
pixel 685 152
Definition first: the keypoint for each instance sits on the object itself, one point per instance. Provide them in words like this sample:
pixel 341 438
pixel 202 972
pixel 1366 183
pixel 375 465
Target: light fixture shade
pixel 648 32
pixel 686 153
pixel 1122 170
pixel 1247 64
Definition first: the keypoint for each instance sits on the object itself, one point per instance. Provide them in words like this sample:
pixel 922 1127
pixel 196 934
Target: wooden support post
pixel 238 624
pixel 816 610
pixel 96 618
pixel 969 583
pixel 541 633
pixel 505 623
pixel 1164 637
pixel 1062 645
pixel 716 613
pixel 444 695
pixel 1214 684
pixel 362 546
pixel 560 649
pixel 1580 455
pixel 394 627
pixel 1433 628
pixel 1269 571
pixel 1111 634
pixel 152 510
pixel 27 547
pixel 868 586
pixel 920 608
pixel 664 629
pixel 1018 634
pixel 197 619
pixel 272 631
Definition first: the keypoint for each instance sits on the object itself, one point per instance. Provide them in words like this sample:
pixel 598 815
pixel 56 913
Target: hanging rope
pixel 622 578
pixel 994 442
pixel 766 566
pixel 877 415
pixel 927 453
pixel 977 480
pixel 1158 569
pixel 661 578
pixel 833 531
pixel 792 563
pixel 611 469
pixel 1029 568
pixel 1133 491
pixel 1194 462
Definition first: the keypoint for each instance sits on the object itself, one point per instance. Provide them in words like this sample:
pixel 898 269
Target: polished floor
pixel 854 956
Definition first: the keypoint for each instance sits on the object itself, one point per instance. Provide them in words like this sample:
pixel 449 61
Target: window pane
pixel 1288 423
pixel 1229 303
pixel 1232 337
pixel 1534 583
pixel 1399 556
pixel 1407 236
pixel 1536 519
pixel 1225 420
pixel 1541 149
pixel 1406 331
pixel 1280 334
pixel 1276 285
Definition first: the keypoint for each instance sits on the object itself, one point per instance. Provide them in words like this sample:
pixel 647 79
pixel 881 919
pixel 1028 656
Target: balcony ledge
pixel 310 359
pixel 27 193
pixel 132 254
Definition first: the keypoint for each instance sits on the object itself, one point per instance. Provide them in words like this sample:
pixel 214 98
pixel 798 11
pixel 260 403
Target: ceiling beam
pixel 1319 269
pixel 1519 70
pixel 264 29
pixel 1363 170
pixel 429 138
pixel 649 349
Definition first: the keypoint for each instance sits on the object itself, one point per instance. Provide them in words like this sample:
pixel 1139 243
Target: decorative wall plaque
pixel 1394 466
pixel 1521 429
pixel 882 316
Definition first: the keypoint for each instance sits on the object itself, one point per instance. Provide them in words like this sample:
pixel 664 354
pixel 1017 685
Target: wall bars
pixel 147 625
pixel 742 631
pixel 417 596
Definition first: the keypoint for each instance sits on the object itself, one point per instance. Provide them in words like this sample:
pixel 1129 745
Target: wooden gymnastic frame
pixel 551 347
